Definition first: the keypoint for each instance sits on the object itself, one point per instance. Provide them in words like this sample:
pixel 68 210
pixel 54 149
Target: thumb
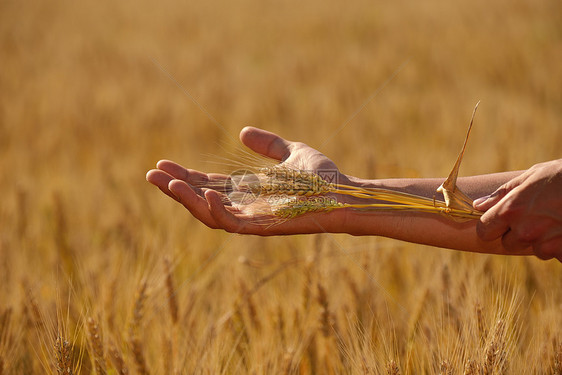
pixel 265 143
pixel 484 203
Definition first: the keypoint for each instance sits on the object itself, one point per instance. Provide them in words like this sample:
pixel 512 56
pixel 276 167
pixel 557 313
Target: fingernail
pixel 479 201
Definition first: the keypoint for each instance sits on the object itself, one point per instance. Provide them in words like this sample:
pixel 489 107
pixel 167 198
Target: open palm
pixel 192 188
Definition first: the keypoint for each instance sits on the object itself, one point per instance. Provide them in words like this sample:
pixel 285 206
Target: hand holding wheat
pixel 191 188
pixel 204 196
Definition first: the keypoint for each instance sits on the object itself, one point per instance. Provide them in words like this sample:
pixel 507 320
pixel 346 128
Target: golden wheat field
pixel 102 274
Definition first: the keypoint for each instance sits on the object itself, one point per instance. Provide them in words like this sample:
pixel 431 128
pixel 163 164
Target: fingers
pixel 495 221
pixel 265 143
pixel 484 203
pixel 508 218
pixel 222 217
pixel 180 173
pixel 196 204
pixel 161 180
pixel 194 178
pixel 492 225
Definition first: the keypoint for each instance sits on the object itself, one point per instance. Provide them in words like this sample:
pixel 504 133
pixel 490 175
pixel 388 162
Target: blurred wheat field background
pixel 101 274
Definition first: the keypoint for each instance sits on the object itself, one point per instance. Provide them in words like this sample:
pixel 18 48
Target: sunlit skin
pixel 526 211
pixel 498 232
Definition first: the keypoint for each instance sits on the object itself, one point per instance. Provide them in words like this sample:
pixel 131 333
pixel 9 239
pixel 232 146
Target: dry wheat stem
pixel 287 193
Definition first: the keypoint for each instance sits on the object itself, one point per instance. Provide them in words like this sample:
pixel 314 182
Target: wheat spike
pixel 167 354
pixel 495 355
pixel 170 287
pixel 557 370
pixel 117 360
pixel 134 340
pixel 470 367
pixel 481 323
pixel 285 180
pixel 7 344
pixel 445 368
pixel 138 309
pixel 392 368
pixel 63 356
pixel 33 313
pixel 295 207
pixel 246 295
pixel 326 321
pixel 138 355
pixel 96 342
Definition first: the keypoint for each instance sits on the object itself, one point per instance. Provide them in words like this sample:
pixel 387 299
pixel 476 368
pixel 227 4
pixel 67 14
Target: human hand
pixel 193 189
pixel 526 212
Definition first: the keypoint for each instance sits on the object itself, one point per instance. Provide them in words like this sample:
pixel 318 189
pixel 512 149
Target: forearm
pixel 473 186
pixel 424 228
